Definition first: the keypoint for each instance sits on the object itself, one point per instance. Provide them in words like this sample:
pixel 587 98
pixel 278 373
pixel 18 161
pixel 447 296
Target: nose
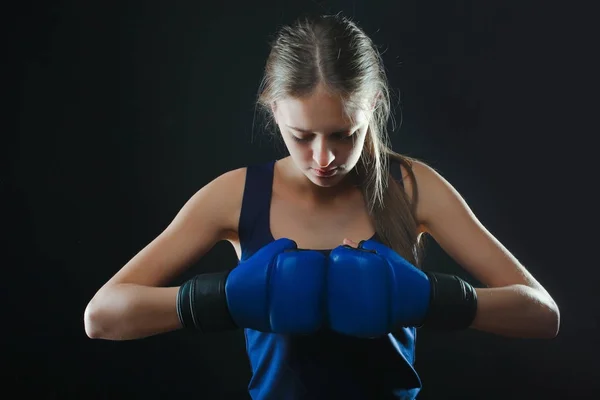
pixel 322 153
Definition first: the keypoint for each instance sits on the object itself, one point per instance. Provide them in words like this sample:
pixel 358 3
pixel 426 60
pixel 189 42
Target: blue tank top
pixel 325 365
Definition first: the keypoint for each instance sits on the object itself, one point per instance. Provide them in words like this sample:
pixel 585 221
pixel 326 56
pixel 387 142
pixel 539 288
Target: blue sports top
pixel 325 365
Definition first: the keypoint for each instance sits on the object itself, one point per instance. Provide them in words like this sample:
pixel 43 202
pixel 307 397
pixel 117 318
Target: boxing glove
pixel 372 291
pixel 280 289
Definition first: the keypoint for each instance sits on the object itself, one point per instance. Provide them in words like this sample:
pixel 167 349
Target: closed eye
pixel 344 136
pixel 340 136
pixel 300 140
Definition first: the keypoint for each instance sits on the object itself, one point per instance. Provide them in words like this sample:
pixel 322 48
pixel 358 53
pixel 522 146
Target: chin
pixel 325 181
pixel 329 183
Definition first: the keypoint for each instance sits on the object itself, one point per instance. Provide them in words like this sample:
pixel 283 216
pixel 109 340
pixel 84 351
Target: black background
pixel 123 110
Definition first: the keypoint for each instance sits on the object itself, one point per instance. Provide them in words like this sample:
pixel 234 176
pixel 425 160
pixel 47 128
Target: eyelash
pixel 342 138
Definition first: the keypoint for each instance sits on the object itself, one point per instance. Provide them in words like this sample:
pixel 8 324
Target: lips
pixel 324 172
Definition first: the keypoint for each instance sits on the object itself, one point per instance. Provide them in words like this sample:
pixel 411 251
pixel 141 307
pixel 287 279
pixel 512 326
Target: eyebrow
pixel 344 130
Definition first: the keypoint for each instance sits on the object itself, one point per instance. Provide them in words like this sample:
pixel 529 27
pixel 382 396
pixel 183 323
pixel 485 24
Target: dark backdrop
pixel 124 110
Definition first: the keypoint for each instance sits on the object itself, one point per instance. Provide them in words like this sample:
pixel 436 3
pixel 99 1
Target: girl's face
pixel 324 142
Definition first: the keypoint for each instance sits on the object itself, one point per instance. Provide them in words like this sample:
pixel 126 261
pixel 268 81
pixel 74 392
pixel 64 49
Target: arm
pixel 125 311
pixel 514 303
pixel 516 310
pixel 132 304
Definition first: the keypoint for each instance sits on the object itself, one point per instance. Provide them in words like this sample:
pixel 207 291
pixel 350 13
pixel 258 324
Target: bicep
pixel 453 225
pixel 208 217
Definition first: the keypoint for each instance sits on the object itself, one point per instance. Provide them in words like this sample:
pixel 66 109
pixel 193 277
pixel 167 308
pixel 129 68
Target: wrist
pixel 452 303
pixel 202 303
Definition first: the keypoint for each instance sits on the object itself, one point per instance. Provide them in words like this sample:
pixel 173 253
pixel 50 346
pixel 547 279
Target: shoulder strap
pixel 395 170
pixel 254 228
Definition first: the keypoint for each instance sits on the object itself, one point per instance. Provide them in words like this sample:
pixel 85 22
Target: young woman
pixel 328 288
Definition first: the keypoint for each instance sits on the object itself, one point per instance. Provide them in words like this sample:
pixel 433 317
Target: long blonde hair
pixel 333 51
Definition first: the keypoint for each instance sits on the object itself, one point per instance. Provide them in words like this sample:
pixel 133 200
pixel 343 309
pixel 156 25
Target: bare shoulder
pixel 427 185
pixel 438 201
pixel 445 215
pixel 209 216
pixel 224 196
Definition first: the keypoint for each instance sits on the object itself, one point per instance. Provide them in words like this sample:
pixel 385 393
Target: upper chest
pixel 319 225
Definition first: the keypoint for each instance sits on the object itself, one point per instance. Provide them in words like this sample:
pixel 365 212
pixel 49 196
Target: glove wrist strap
pixel 202 303
pixel 453 303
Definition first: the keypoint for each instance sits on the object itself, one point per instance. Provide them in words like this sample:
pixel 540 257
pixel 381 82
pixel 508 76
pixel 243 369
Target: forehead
pixel 319 111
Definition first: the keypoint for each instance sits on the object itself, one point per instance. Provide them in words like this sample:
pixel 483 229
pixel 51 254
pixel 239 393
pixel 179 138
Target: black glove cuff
pixel 453 303
pixel 202 303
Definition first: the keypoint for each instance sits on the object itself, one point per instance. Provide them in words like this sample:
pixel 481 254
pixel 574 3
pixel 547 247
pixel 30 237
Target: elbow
pixel 544 316
pixel 553 322
pixel 547 323
pixel 102 318
pixel 93 321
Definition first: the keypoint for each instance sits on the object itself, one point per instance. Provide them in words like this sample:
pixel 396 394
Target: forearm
pixel 516 311
pixel 128 311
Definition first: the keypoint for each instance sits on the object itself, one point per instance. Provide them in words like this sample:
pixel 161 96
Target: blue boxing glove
pixel 373 291
pixel 279 289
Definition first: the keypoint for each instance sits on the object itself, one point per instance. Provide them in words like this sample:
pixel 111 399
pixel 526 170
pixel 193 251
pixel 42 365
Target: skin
pixel 134 304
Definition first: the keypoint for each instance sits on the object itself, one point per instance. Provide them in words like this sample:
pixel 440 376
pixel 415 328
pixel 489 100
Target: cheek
pixel 353 156
pixel 296 150
pixel 358 146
